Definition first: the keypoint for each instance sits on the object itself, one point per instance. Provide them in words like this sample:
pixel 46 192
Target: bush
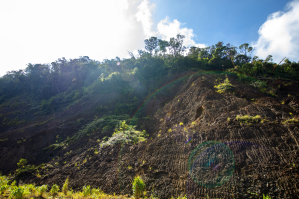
pixel 248 119
pixel 258 84
pixel 266 197
pixel 31 188
pixel 138 186
pixel 55 189
pixel 96 191
pixel 226 85
pixel 65 186
pixel 17 193
pixel 86 190
pixel 22 162
pixel 124 134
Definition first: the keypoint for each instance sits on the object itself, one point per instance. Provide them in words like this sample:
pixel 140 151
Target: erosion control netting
pixel 245 162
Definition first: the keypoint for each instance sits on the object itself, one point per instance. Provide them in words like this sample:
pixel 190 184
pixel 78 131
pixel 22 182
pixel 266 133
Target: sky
pixel 35 31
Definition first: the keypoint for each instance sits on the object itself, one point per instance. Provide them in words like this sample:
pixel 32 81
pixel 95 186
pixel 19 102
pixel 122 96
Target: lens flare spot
pixel 211 164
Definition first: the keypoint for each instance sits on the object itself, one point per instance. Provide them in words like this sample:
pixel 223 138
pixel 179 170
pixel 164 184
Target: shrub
pixel 258 84
pixel 17 193
pixel 96 191
pixel 124 134
pixel 138 186
pixel 291 121
pixel 31 188
pixel 86 190
pixel 248 118
pixel 55 189
pixel 22 162
pixel 65 186
pixel 226 85
pixel 266 197
pixel 42 189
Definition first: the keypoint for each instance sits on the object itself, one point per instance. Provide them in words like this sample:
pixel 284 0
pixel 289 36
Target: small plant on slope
pixel 17 193
pixel 42 189
pixel 65 186
pixel 55 189
pixel 86 190
pixel 226 85
pixel 124 134
pixel 266 197
pixel 248 118
pixel 138 186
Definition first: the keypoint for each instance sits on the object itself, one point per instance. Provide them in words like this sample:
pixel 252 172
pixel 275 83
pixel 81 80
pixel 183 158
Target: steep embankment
pixel 256 155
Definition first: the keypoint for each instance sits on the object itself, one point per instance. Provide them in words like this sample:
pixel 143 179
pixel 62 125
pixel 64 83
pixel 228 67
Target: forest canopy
pixel 46 82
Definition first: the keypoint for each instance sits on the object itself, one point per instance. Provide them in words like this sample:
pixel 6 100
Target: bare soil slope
pixel 256 155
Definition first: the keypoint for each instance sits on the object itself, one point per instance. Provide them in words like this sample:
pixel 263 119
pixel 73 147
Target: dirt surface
pixel 247 158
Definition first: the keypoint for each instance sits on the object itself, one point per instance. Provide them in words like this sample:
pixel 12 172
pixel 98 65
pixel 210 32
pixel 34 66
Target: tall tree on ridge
pixel 151 44
pixel 163 45
pixel 176 45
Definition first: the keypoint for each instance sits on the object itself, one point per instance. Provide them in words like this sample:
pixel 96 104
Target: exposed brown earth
pixel 265 151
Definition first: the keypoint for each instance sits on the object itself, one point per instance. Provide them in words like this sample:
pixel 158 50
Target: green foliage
pixel 259 84
pixel 266 197
pixel 65 186
pixel 22 162
pixel 138 186
pixel 17 193
pixel 245 79
pixel 248 119
pixel 3 184
pixel 263 87
pixel 124 134
pixel 54 190
pixel 11 122
pixel 291 121
pixel 24 169
pixel 151 44
pixel 225 86
pixel 86 190
pixel 95 191
pixel 42 189
pixel 31 188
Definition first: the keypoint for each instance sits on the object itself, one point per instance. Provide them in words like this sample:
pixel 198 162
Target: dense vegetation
pixel 64 82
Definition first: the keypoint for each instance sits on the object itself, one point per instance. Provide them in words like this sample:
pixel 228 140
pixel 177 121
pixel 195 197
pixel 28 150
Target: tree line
pixel 160 57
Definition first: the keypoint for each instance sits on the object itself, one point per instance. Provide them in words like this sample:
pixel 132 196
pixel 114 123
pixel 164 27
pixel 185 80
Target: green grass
pixel 9 189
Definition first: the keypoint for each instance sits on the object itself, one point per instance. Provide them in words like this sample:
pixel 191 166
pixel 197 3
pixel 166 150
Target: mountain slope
pixel 201 142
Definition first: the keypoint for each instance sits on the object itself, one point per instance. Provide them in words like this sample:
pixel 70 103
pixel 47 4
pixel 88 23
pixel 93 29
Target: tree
pixel 269 58
pixel 245 49
pixel 204 53
pixel 194 51
pixel 151 44
pixel 231 52
pixel 163 45
pixel 176 45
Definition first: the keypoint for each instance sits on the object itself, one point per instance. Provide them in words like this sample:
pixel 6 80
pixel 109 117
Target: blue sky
pixel 230 21
pixel 35 31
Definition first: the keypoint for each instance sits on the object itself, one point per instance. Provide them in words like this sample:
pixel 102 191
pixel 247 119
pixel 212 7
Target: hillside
pixel 208 124
pixel 264 150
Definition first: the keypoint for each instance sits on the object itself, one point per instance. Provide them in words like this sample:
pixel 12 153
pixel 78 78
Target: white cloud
pixel 278 36
pixel 144 15
pixel 168 29
pixel 35 31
